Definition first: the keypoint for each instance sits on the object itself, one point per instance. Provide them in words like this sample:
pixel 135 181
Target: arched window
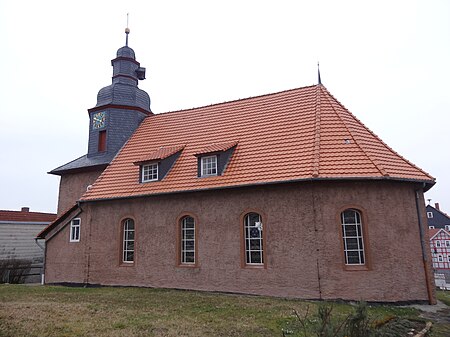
pixel 128 241
pixel 352 235
pixel 187 242
pixel 253 236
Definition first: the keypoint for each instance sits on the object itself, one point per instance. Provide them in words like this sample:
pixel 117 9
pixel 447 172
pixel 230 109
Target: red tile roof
pixel 216 148
pixel 293 135
pixel 25 216
pixel 160 153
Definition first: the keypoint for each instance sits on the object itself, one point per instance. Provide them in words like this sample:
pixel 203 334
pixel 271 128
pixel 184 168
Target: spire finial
pixel 127 31
pixel 318 73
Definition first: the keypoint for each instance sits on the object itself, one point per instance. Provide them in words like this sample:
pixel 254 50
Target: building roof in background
pixel 26 216
pixel 293 135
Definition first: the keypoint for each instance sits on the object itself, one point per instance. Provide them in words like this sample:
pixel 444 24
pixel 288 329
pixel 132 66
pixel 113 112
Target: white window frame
pixel 127 239
pixel 206 169
pixel 440 258
pixel 359 237
pixel 187 229
pixel 75 227
pixel 438 243
pixel 447 227
pixel 448 258
pixel 150 172
pixel 430 215
pixel 253 234
pixel 447 243
pixel 430 227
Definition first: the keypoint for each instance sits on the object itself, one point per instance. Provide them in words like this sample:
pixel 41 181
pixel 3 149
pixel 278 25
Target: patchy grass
pixel 47 311
pixel 444 296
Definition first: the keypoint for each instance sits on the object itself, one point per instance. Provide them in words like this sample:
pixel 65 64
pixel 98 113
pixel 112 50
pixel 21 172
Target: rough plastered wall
pixel 303 246
pixel 72 186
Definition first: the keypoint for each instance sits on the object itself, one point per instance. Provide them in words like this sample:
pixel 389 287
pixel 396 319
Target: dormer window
pixel 209 166
pixel 157 164
pixel 149 172
pixel 213 159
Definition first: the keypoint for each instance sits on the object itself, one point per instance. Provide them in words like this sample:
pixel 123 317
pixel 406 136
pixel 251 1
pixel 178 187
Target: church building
pixel 286 194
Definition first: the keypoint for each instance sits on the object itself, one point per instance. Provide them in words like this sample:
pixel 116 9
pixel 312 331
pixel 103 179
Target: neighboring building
pixel 285 194
pixel 18 230
pixel 439 231
pixel 437 219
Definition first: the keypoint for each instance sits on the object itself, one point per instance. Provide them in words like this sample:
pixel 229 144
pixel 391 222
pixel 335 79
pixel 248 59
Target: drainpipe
pixel 43 261
pixel 424 246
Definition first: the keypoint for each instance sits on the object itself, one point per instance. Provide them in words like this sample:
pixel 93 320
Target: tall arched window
pixel 128 241
pixel 253 236
pixel 352 234
pixel 187 242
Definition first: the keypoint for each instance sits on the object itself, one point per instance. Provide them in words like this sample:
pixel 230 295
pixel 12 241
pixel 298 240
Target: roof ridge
pixel 442 212
pixel 316 160
pixel 377 166
pixel 379 139
pixel 438 230
pixel 233 100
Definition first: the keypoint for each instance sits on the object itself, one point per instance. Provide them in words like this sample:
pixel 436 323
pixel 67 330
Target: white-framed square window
pixel 440 258
pixel 149 172
pixel 209 166
pixel 429 215
pixel 447 227
pixel 447 243
pixel 438 243
pixel 431 227
pixel 75 230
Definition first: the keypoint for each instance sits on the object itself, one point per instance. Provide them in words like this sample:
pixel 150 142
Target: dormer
pixel 156 165
pixel 213 159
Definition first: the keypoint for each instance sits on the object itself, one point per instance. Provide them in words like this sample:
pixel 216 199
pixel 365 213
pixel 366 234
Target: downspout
pixel 431 298
pixel 44 248
pixel 87 250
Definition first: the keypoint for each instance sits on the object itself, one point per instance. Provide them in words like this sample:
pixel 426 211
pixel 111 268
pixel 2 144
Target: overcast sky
pixel 386 61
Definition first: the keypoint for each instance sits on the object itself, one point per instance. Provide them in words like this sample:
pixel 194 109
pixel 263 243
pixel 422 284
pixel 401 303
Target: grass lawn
pixel 63 311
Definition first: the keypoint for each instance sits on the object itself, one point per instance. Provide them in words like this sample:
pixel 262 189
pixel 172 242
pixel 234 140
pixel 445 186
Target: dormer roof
pixel 301 134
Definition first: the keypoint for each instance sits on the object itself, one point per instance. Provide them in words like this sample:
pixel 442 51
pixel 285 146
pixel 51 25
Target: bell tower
pixel 121 107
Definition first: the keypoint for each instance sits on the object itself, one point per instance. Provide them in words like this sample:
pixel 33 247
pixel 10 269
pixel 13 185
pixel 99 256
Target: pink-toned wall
pixel 72 186
pixel 303 246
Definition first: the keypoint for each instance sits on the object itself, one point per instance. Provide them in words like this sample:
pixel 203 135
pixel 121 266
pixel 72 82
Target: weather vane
pixel 127 31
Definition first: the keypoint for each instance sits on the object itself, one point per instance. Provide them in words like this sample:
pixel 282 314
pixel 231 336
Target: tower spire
pixel 318 74
pixel 127 31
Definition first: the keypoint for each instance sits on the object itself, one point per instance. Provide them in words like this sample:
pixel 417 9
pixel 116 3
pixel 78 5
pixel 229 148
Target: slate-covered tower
pixel 120 109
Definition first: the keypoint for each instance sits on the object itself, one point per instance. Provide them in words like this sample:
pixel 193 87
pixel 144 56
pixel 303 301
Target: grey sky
pixel 386 61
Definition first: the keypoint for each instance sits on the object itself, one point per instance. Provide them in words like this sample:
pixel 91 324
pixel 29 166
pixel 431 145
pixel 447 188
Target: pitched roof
pixel 434 231
pixel 161 153
pixel 26 216
pixel 293 135
pixel 56 221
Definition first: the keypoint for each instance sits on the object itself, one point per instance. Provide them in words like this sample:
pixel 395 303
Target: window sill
pixel 126 264
pixel 254 266
pixel 186 265
pixel 349 267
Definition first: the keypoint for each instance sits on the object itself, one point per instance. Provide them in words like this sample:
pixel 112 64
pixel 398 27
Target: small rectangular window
pixel 430 215
pixel 447 227
pixel 75 230
pixel 431 227
pixel 150 172
pixel 209 166
pixel 438 243
pixel 447 243
pixel 440 258
pixel 102 141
